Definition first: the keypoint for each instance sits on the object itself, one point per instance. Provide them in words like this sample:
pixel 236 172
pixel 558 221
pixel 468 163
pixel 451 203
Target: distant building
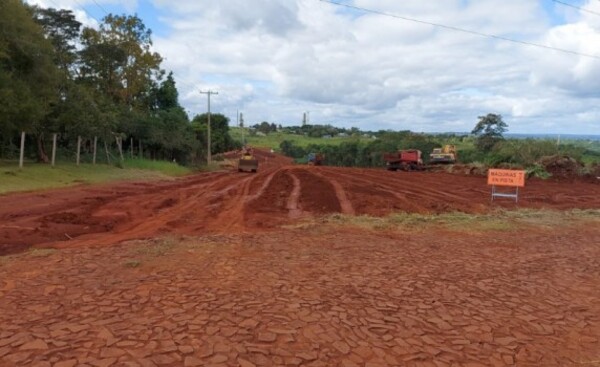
pixel 326 136
pixel 342 135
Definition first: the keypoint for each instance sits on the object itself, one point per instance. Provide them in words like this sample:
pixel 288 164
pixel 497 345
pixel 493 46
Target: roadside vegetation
pixel 485 146
pixel 42 176
pixel 105 83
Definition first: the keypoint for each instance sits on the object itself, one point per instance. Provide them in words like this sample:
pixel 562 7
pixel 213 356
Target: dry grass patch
pixel 41 252
pixel 500 220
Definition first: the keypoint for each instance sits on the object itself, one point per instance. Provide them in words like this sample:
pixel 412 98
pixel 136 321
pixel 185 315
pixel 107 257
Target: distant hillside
pixel 274 139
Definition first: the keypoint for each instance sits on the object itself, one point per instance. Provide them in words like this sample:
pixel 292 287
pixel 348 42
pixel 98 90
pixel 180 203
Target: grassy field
pixel 273 140
pixel 35 176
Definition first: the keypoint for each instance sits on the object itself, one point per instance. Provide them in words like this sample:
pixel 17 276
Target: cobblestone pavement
pixel 315 297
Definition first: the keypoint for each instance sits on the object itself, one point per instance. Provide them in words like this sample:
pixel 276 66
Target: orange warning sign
pixel 506 177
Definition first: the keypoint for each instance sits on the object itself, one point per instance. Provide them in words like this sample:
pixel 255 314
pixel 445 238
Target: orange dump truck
pixel 406 160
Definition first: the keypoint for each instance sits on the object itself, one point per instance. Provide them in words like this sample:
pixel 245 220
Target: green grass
pixel 273 140
pixel 167 168
pixel 36 176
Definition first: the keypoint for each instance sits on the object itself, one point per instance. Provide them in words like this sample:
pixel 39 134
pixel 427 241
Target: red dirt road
pixel 199 272
pixel 230 201
pixel 314 297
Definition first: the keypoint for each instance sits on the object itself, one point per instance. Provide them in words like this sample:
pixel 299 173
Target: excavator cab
pixel 444 155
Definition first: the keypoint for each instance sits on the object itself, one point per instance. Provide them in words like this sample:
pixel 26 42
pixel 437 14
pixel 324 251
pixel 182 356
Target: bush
pixel 538 171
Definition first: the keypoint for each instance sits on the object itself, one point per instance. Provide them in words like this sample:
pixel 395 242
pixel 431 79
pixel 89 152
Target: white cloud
pixel 276 59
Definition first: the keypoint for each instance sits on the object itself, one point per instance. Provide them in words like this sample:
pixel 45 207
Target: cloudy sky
pixel 275 59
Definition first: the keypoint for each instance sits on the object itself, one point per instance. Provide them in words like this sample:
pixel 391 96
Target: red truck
pixel 406 160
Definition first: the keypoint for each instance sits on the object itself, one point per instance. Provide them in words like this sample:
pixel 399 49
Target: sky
pixel 274 60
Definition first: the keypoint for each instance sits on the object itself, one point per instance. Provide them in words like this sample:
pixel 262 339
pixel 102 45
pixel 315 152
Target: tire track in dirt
pixel 229 202
pixel 345 204
pixel 293 201
pixel 406 182
pixel 292 192
pixel 153 223
pixel 232 217
pixel 317 194
pixel 263 187
pixel 366 190
pixel 269 206
pixel 431 200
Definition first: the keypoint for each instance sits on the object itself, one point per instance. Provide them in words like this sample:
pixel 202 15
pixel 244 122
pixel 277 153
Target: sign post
pixel 506 178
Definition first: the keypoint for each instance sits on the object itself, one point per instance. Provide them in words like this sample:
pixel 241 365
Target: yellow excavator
pixel 445 155
pixel 248 161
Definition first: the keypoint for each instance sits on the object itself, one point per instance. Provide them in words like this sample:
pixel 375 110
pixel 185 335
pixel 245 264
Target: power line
pixel 457 29
pixel 87 13
pixel 100 6
pixel 576 7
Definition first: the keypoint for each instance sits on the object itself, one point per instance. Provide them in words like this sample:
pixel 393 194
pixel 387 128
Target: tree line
pixel 57 76
pixel 486 144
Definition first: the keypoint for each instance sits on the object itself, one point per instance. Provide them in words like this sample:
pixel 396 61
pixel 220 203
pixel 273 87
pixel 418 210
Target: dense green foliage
pixel 368 153
pixel 361 153
pixel 221 141
pixel 489 130
pixel 59 77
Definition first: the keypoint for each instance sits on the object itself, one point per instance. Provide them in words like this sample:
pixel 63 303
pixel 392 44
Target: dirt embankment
pixel 229 201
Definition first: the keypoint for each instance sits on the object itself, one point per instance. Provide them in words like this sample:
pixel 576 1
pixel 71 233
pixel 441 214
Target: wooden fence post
pixel 78 149
pixel 131 148
pixel 53 149
pixel 107 155
pixel 22 154
pixel 120 146
pixel 95 149
pixel 140 152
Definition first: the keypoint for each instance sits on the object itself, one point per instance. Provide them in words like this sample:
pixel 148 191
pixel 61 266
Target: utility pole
pixel 241 118
pixel 208 93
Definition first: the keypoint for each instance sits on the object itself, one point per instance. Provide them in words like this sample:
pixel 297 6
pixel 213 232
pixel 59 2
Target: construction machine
pixel 406 160
pixel 248 161
pixel 445 155
pixel 315 159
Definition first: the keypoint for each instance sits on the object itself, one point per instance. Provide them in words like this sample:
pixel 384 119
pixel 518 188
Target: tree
pixel 63 30
pixel 28 76
pixel 117 58
pixel 264 127
pixel 489 131
pixel 167 95
pixel 105 82
pixel 221 141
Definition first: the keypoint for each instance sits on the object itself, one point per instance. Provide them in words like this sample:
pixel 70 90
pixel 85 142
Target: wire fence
pixel 59 149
